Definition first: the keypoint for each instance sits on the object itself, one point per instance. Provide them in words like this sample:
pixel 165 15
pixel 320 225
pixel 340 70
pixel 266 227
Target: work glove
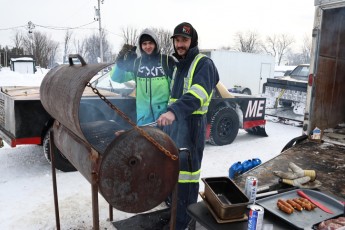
pixel 127 53
pixel 296 176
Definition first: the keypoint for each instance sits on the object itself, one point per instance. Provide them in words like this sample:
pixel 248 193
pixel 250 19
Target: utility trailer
pixel 23 120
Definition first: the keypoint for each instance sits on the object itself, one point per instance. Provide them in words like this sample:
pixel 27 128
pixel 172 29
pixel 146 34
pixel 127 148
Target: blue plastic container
pixel 235 169
pixel 256 162
pixel 247 164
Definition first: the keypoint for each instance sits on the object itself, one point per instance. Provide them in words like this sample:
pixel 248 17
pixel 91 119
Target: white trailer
pixel 243 72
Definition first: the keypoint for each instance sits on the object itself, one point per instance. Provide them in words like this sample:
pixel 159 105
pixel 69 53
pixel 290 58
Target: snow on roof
pixel 22 59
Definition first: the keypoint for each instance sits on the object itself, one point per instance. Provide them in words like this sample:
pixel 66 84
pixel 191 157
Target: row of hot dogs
pixel 288 206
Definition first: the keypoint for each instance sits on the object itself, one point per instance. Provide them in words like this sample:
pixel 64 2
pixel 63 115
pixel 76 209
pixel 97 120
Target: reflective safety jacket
pixel 196 90
pixel 193 81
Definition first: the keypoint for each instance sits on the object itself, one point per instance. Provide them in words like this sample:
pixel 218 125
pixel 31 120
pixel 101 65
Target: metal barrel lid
pixel 135 175
pixel 62 88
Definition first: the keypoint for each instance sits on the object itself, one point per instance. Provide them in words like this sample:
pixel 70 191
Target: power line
pixel 52 27
pixel 11 28
pixel 65 28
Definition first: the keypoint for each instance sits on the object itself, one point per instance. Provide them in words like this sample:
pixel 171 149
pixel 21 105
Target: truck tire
pixel 247 92
pixel 61 162
pixel 224 126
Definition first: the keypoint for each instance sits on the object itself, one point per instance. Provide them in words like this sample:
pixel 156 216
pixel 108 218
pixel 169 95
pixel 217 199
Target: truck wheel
pixel 224 126
pixel 247 92
pixel 61 162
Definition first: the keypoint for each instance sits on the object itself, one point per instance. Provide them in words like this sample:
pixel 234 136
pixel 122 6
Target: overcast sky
pixel 216 21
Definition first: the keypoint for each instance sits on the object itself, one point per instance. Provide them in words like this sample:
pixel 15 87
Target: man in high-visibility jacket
pixel 193 81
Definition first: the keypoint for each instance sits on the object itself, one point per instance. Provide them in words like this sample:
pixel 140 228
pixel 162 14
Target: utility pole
pixel 30 27
pixel 98 18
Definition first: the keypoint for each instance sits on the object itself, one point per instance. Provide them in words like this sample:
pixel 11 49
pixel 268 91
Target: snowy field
pixel 26 193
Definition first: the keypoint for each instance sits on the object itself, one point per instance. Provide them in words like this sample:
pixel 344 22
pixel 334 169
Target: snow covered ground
pixel 26 193
pixel 10 78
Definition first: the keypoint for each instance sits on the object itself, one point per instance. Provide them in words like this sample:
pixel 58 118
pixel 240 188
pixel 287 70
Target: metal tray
pixel 226 199
pixel 304 219
pixel 221 221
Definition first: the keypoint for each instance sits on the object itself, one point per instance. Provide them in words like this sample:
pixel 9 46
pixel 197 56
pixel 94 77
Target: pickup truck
pixel 286 96
pixel 23 120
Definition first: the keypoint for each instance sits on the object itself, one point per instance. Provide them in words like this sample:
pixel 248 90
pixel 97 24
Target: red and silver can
pixel 251 187
pixel 255 217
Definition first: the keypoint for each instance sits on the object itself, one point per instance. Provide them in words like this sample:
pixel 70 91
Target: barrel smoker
pixel 135 171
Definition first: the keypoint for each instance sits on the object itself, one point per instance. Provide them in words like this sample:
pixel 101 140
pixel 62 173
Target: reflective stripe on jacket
pixel 196 90
pixel 189 177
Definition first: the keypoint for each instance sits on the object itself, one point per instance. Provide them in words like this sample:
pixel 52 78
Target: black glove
pixel 131 54
pixel 126 56
pixel 127 53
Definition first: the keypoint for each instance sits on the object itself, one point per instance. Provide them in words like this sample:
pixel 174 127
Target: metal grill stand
pixel 131 171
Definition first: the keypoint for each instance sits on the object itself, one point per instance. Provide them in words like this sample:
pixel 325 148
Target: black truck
pixel 23 120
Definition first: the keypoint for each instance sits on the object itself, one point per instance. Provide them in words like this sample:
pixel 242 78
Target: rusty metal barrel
pixel 132 174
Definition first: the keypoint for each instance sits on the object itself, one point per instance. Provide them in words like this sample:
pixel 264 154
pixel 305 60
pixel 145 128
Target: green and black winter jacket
pixel 152 74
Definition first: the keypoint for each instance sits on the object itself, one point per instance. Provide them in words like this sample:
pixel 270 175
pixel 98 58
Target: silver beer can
pixel 251 186
pixel 255 217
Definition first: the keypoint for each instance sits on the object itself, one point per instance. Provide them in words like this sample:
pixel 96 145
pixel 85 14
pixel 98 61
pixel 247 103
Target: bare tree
pixel 278 45
pixel 67 39
pixel 130 35
pixel 41 46
pixel 164 40
pixel 294 58
pixel 52 53
pixel 306 49
pixel 303 56
pixel 248 42
pixel 91 48
pixel 18 42
pixel 79 47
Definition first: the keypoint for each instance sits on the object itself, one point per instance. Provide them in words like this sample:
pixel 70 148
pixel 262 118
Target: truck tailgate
pixel 22 116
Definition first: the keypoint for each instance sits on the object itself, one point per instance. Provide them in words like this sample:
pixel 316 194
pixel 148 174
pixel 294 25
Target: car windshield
pixel 104 81
pixel 300 73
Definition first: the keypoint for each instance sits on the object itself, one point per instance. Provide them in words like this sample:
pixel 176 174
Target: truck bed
pixel 284 113
pixel 23 120
pixel 33 92
pixel 287 84
pixel 22 92
pixel 328 159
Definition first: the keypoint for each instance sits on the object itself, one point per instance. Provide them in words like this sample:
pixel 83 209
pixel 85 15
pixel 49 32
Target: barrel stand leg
pixel 173 208
pixel 52 159
pixel 110 212
pixel 95 209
